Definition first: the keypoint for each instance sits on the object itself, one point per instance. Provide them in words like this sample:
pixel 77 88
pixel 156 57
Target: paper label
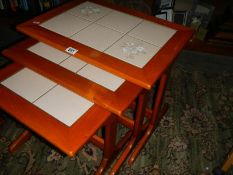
pixel 71 50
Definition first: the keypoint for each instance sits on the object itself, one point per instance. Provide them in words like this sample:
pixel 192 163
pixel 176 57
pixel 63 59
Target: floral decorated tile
pixel 101 77
pixel 97 37
pixel 73 64
pixel 65 24
pixel 89 11
pixel 64 105
pixel 133 51
pixel 119 21
pixel 28 84
pixel 153 33
pixel 48 52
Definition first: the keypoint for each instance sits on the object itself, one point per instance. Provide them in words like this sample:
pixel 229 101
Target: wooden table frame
pixel 23 57
pixel 20 54
pixel 144 77
pixel 154 72
pixel 55 132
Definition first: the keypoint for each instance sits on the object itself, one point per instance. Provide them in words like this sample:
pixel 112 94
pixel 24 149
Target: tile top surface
pixel 152 33
pixel 119 21
pixel 28 84
pixel 57 101
pixel 89 11
pixel 97 37
pixel 65 24
pixel 78 66
pixel 48 52
pixel 101 77
pixel 73 64
pixel 102 28
pixel 63 104
pixel 133 51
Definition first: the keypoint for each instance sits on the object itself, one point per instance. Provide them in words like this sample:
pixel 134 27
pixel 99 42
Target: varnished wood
pixel 24 137
pixel 144 77
pixel 109 149
pixel 67 139
pixel 63 137
pixel 154 118
pixel 115 102
pixel 140 111
pixel 228 162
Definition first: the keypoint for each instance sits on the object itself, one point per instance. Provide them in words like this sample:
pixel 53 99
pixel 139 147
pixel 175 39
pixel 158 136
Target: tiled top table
pixel 128 45
pixel 131 45
pixel 35 101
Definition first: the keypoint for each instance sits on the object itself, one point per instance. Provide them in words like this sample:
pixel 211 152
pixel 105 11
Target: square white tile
pixel 119 21
pixel 133 51
pixel 64 105
pixel 28 84
pixel 48 52
pixel 152 33
pixel 89 11
pixel 97 37
pixel 101 77
pixel 73 64
pixel 65 24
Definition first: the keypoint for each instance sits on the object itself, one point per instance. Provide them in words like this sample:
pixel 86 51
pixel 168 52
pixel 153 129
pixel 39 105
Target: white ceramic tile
pixel 101 77
pixel 119 21
pixel 152 33
pixel 28 84
pixel 73 64
pixel 65 24
pixel 48 52
pixel 89 11
pixel 97 37
pixel 64 105
pixel 133 51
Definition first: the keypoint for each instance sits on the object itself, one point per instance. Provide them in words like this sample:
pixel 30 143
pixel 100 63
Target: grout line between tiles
pixel 123 36
pixel 45 93
pixel 91 22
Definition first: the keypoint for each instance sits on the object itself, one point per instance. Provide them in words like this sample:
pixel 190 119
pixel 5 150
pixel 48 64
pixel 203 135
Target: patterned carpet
pixel 194 136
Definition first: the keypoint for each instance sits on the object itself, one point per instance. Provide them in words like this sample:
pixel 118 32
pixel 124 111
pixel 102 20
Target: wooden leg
pixel 109 144
pixel 154 118
pixel 25 136
pixel 140 111
pixel 228 163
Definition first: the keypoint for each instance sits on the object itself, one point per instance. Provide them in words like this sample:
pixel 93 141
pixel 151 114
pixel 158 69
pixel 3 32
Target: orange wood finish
pixel 115 102
pixel 24 137
pixel 154 118
pixel 67 139
pixel 144 77
pixel 127 91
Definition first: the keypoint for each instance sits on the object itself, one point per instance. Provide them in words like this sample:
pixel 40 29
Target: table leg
pixel 228 163
pixel 140 111
pixel 109 144
pixel 154 118
pixel 24 137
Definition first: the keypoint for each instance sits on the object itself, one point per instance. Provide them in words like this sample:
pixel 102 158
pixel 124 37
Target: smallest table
pixel 22 87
